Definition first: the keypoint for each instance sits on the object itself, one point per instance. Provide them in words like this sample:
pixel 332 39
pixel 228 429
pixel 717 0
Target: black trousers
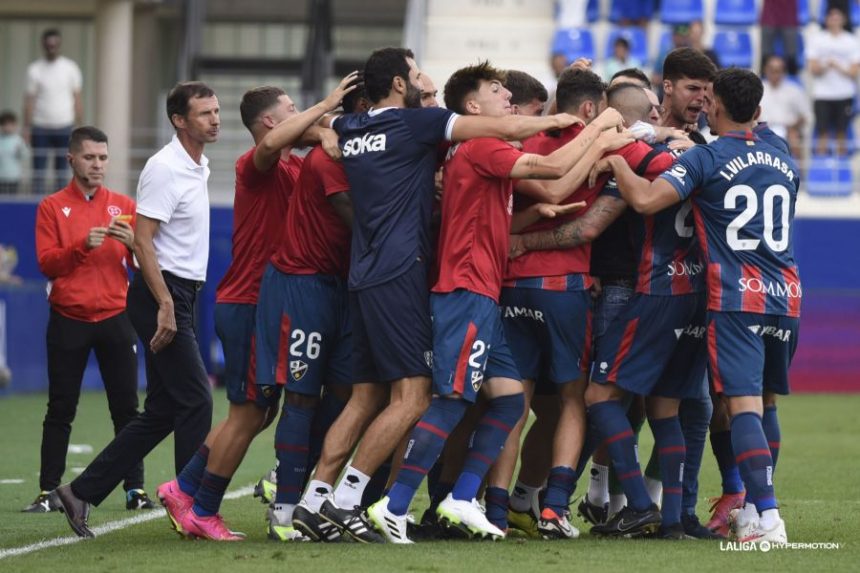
pixel 178 397
pixel 69 344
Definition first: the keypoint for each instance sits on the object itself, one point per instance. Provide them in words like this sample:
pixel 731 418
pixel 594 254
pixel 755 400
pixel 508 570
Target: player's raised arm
pixel 511 128
pixel 643 196
pixel 290 130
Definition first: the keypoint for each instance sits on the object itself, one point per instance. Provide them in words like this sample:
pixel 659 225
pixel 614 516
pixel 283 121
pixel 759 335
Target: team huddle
pixel 425 278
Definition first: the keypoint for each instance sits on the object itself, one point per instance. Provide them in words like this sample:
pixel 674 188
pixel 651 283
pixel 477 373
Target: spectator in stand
pixel 696 40
pixel 52 107
pixel 784 105
pixel 12 151
pixel 834 60
pixel 779 20
pixel 620 58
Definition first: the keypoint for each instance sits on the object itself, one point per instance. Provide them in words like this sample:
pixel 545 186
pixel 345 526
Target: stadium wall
pixel 826 249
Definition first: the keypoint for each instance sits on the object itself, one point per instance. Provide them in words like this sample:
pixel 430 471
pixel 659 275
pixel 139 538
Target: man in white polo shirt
pixel 52 107
pixel 172 249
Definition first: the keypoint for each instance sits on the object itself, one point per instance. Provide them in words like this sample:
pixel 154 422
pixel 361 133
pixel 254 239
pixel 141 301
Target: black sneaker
pixel 674 531
pixel 694 528
pixel 137 499
pixel 350 522
pixel 44 503
pixel 591 512
pixel 630 523
pixel 312 526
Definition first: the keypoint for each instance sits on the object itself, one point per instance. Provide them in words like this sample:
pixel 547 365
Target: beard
pixel 412 98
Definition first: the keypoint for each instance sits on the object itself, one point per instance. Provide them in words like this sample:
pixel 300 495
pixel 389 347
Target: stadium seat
pixel 681 11
pixel 574 43
pixel 592 11
pixel 635 36
pixel 829 177
pixel 803 12
pixel 735 13
pixel 734 48
pixel 779 49
pixel 630 10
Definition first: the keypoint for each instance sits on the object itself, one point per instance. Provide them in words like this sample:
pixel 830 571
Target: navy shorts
pixel 468 344
pixel 392 334
pixel 303 332
pixel 655 347
pixel 749 354
pixel 549 332
pixel 234 325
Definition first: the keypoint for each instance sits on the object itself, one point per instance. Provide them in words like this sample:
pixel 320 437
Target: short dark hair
pixel 7 116
pixel 630 100
pixel 181 95
pixel 690 63
pixel 50 33
pixel 350 100
pixel 382 67
pixel 467 80
pixel 740 92
pixel 256 101
pixel 621 40
pixel 576 86
pixel 632 73
pixel 524 88
pixel 86 133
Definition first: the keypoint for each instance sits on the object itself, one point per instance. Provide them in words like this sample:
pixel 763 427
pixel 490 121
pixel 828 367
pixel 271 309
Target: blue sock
pixel 375 488
pixel 695 416
pixel 669 443
pixel 190 476
pixel 291 448
pixel 611 419
pixel 721 444
pixel 427 440
pixel 489 438
pixel 753 459
pixel 770 425
pixel 329 409
pixel 496 501
pixel 590 444
pixel 207 501
pixel 559 487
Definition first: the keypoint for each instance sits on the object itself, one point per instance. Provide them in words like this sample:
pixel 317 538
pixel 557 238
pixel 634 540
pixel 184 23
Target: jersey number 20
pixel 769 212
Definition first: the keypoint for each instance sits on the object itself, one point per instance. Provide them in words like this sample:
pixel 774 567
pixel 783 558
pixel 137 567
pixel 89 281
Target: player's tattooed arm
pixel 584 229
pixel 342 205
pixel 645 197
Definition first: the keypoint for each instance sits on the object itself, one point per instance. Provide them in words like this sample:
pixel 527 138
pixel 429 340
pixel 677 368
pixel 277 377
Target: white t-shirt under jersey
pixel 173 189
pixel 53 86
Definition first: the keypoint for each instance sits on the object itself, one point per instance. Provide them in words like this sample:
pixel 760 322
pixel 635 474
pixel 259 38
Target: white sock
pixel 284 512
pixel 617 501
pixel 523 497
pixel 316 494
pixel 655 489
pixel 598 485
pixel 350 489
pixel 769 519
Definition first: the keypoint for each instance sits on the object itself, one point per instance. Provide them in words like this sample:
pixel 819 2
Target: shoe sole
pixel 646 530
pixel 467 532
pixel 174 523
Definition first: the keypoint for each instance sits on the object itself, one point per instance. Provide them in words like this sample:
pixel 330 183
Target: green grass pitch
pixel 817 485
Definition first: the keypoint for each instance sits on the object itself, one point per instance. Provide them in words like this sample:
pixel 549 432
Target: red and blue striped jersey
pixel 669 259
pixel 744 192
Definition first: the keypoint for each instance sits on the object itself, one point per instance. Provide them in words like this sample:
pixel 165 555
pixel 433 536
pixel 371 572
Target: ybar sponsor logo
pixel 783 334
pixel 684 269
pixel 784 290
pixel 364 144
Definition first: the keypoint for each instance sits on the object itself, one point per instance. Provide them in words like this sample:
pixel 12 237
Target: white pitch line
pixel 106 528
